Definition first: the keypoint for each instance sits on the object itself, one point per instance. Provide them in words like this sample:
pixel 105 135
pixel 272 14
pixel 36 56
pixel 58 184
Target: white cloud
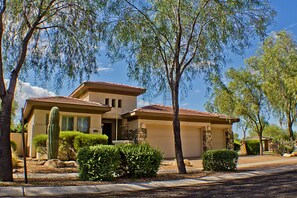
pixel 24 91
pixel 141 103
pixel 104 69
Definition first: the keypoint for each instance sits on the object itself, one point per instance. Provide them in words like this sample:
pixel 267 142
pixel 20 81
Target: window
pixel 106 101
pixel 67 123
pixel 83 124
pixel 120 103
pixel 113 101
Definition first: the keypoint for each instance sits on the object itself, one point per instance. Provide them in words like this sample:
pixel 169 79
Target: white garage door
pixel 160 136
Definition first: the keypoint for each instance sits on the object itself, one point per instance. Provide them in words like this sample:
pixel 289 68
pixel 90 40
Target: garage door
pixel 161 137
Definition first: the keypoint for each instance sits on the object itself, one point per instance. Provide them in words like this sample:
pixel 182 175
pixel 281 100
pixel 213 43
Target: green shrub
pixel 13 145
pixel 15 160
pixel 99 162
pixel 83 140
pixel 281 146
pixel 66 145
pixel 253 147
pixel 237 145
pixel 140 160
pixel 39 142
pixel 219 160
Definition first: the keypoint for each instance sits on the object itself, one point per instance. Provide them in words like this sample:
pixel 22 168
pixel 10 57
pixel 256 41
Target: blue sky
pixel 286 19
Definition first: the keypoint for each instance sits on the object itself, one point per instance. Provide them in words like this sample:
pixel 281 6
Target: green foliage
pixel 13 145
pixel 99 162
pixel 252 147
pixel 140 160
pixel 246 97
pixel 39 142
pixel 83 140
pixel 66 145
pixel 14 159
pixel 18 128
pixel 282 146
pixel 219 160
pixel 53 133
pixel 276 63
pixel 237 145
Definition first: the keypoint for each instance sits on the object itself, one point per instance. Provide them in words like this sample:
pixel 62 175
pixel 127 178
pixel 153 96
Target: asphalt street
pixel 276 185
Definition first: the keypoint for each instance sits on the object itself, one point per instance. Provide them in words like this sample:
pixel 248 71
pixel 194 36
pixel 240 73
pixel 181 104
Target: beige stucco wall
pixel 17 138
pixel 128 103
pixel 37 125
pixel 218 139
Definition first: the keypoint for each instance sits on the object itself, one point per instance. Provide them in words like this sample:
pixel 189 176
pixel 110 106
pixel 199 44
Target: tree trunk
pixel 290 130
pixel 261 144
pixel 5 150
pixel 176 130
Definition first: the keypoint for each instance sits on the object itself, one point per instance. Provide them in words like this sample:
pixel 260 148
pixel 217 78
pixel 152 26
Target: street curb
pixel 100 189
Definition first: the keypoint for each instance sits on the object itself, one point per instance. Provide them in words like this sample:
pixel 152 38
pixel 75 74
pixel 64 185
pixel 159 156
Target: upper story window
pixel 113 102
pixel 67 123
pixel 120 103
pixel 107 101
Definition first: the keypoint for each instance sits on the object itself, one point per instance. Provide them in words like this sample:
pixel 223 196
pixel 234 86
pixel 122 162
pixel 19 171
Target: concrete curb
pixel 99 189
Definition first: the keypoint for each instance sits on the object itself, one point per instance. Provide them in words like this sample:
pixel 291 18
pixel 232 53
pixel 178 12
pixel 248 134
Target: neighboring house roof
pixel 64 104
pixel 106 87
pixel 160 112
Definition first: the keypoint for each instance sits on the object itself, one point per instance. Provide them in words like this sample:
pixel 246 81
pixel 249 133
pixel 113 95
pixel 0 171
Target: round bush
pixel 83 140
pixel 99 162
pixel 140 160
pixel 219 160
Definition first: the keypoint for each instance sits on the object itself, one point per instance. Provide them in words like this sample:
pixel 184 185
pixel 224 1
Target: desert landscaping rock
pixel 287 155
pixel 71 164
pixel 54 163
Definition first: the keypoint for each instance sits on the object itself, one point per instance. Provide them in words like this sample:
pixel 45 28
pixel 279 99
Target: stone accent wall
pixel 229 140
pixel 207 140
pixel 138 136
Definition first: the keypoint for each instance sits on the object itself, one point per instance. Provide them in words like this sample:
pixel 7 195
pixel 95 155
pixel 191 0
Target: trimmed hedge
pixel 66 145
pixel 83 140
pixel 253 147
pixel 39 142
pixel 99 162
pixel 219 160
pixel 140 160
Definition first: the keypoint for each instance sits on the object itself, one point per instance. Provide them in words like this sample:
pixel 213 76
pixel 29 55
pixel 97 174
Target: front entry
pixel 107 130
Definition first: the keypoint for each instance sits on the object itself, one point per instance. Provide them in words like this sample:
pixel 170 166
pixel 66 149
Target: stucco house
pixel 111 109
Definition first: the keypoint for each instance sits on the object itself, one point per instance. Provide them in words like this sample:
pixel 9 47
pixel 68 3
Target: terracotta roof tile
pixel 168 110
pixel 66 100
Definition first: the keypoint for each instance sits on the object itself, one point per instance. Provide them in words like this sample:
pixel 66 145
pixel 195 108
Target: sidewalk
pixel 99 189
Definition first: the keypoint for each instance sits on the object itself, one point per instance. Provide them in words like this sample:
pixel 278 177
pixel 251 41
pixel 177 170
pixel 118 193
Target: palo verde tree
pixel 242 97
pixel 276 61
pixel 167 42
pixel 57 39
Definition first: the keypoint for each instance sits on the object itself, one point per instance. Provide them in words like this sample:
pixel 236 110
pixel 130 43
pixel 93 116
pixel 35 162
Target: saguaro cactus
pixel 53 134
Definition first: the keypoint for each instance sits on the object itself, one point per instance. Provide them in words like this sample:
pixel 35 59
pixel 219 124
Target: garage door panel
pixel 162 137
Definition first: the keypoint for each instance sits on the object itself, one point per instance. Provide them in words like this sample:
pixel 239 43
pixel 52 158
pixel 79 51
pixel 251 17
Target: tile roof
pixel 160 109
pixel 66 100
pixel 106 87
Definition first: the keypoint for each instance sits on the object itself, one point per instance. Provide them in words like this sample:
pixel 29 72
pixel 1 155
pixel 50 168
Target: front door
pixel 107 128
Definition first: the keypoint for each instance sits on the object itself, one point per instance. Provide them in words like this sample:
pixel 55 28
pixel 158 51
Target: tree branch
pixel 2 83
